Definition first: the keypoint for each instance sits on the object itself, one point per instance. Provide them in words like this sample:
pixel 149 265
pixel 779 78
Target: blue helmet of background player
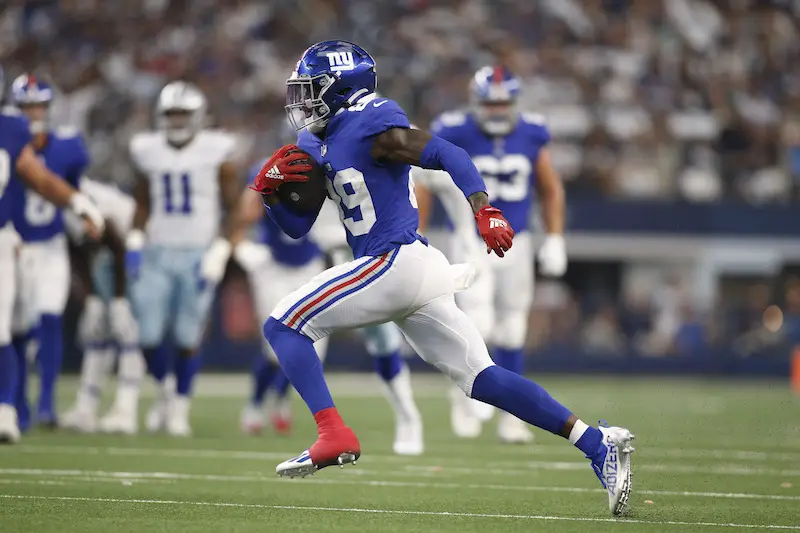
pixel 330 76
pixel 33 97
pixel 494 96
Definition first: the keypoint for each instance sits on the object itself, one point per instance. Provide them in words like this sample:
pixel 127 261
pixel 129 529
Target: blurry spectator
pixel 602 335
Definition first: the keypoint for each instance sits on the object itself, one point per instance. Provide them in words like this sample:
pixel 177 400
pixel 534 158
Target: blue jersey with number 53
pixel 376 200
pixel 35 218
pixel 14 135
pixel 507 164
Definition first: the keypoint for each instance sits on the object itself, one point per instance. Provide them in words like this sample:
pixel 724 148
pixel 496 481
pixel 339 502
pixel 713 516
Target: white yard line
pixel 396 512
pixel 504 468
pixel 101 475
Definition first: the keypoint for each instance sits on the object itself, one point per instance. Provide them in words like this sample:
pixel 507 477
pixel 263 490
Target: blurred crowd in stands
pixel 695 100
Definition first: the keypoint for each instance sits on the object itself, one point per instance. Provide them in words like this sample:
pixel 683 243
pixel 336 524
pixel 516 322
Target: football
pixel 308 196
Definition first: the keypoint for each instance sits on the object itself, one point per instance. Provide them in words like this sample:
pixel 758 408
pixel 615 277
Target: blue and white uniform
pixel 169 295
pixel 395 275
pixel 44 269
pixel 500 301
pixel 14 136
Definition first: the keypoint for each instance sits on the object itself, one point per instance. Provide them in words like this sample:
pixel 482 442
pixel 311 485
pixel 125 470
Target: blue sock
pixel 590 443
pixel 280 383
pixel 388 365
pixel 263 374
pixel 157 361
pixel 51 351
pixel 300 363
pixel 521 397
pixel 20 344
pixel 512 359
pixel 185 369
pixel 8 374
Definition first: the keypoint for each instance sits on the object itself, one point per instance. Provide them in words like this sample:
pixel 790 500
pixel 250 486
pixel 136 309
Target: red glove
pixel 495 230
pixel 286 164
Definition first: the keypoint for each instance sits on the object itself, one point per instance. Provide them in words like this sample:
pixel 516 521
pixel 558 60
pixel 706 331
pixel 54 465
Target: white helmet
pixel 181 111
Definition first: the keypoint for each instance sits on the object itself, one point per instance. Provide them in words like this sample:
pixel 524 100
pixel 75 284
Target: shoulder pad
pixel 66 132
pixel 534 118
pixel 451 119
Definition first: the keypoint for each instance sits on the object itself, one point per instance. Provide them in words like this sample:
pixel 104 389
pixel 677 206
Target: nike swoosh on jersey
pixel 378 104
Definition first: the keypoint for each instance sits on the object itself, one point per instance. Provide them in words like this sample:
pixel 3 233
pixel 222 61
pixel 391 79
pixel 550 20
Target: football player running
pixel 18 160
pixel 366 147
pixel 175 255
pixel 509 149
pixel 279 265
pixel 107 328
pixel 44 267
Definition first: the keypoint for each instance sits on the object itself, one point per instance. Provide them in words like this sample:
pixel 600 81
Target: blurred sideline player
pixel 509 150
pixel 107 327
pixel 44 269
pixel 175 255
pixel 18 161
pixel 366 148
pixel 279 265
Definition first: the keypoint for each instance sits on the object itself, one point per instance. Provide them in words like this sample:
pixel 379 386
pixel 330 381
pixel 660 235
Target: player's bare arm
pixel 37 176
pixel 229 189
pixel 141 194
pixel 247 212
pixel 115 241
pixel 550 191
pixel 401 145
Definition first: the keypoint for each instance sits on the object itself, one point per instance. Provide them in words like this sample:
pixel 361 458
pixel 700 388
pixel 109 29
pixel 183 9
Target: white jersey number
pixel 5 171
pixel 516 166
pixel 38 211
pixel 351 189
pixel 177 196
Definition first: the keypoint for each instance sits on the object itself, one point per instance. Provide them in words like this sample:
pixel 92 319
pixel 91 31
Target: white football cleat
pixel 512 430
pixel 119 421
pixel 81 420
pixel 615 470
pixel 462 419
pixel 9 430
pixel 252 420
pixel 156 418
pixel 340 447
pixel 408 437
pixel 178 417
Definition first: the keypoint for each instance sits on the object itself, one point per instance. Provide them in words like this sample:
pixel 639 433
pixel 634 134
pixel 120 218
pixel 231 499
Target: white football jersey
pixel 184 186
pixel 467 245
pixel 112 202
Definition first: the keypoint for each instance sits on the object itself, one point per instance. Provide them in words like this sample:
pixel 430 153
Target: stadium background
pixel 676 128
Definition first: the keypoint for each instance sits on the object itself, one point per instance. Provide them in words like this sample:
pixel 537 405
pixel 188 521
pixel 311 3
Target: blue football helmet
pixel 28 91
pixel 494 98
pixel 330 76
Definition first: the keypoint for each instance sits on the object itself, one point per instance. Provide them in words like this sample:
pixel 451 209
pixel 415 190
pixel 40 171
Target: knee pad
pixel 510 330
pixel 93 326
pixel 382 339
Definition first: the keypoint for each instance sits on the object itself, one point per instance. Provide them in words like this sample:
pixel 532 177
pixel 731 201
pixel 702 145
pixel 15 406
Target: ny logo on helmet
pixel 341 61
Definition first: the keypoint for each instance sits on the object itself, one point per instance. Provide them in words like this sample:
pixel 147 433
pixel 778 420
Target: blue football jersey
pixel 285 249
pixel 35 218
pixel 376 200
pixel 14 135
pixel 507 164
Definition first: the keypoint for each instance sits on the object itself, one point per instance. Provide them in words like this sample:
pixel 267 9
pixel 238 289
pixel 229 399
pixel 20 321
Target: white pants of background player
pixel 43 282
pixel 107 329
pixel 273 281
pixel 412 286
pixel 498 303
pixel 9 240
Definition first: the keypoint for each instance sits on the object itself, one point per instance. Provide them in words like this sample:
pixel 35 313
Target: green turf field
pixel 711 456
